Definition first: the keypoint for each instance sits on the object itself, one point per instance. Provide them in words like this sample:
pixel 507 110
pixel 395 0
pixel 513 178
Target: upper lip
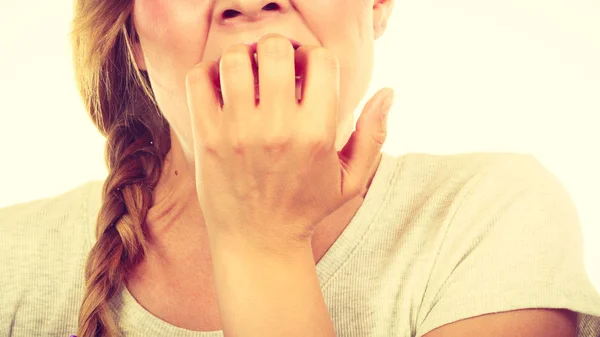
pixel 253 45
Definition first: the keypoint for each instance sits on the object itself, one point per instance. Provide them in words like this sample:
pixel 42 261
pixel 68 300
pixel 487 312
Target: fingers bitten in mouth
pixel 298 76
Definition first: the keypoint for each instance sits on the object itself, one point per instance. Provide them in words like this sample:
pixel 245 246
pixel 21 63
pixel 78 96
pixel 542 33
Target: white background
pixel 505 76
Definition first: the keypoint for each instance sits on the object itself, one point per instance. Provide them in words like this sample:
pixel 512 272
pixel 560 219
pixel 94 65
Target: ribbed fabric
pixel 438 238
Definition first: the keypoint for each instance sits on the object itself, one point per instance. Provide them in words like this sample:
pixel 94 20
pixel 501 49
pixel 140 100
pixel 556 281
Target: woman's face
pixel 175 35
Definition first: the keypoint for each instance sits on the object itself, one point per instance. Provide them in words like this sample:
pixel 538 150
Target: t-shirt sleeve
pixel 515 242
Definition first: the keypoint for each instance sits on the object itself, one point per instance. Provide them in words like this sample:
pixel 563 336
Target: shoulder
pixel 506 236
pixel 467 177
pixel 39 235
pixel 463 204
pixel 500 205
pixel 456 183
pixel 61 214
pixel 43 246
pixel 466 166
pixel 463 192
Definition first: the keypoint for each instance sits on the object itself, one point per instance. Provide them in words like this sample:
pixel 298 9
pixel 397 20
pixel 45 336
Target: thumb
pixel 363 149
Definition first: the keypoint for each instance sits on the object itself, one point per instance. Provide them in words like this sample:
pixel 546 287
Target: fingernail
pixel 387 103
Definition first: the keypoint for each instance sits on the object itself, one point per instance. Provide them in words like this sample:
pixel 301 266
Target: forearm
pixel 269 295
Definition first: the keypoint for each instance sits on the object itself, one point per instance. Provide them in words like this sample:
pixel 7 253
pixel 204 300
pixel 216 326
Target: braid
pixel 119 98
pixel 135 169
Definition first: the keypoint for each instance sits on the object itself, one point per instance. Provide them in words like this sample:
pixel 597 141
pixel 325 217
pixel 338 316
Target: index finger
pixel 203 99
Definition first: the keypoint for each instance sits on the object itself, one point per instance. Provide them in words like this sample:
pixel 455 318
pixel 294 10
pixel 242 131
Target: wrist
pixel 266 247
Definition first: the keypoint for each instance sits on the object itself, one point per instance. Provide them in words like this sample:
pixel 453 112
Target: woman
pixel 227 210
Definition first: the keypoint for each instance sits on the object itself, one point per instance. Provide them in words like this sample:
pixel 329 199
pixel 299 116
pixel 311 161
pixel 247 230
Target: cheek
pixel 173 35
pixel 150 19
pixel 171 24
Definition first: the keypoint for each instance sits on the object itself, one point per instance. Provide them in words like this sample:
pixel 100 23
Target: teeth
pixel 256 58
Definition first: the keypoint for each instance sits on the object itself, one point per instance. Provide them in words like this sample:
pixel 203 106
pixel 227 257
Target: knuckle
pixel 275 45
pixel 327 144
pixel 210 143
pixel 237 140
pixel 276 143
pixel 353 189
pixel 318 142
pixel 379 137
pixel 239 145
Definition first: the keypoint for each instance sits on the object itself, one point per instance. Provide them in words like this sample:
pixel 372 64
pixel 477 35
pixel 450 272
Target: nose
pixel 249 10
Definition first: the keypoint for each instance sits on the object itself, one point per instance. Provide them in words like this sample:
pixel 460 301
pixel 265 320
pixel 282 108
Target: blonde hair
pixel 119 98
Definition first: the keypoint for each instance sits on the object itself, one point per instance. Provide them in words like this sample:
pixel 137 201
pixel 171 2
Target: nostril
pixel 230 13
pixel 272 6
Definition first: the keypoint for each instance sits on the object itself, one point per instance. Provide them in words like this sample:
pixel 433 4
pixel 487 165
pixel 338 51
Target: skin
pixel 177 35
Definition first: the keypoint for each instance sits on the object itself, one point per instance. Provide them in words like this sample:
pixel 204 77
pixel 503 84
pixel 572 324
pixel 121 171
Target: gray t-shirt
pixel 438 238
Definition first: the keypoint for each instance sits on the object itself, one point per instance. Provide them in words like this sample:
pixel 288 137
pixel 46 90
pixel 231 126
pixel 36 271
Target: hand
pixel 268 173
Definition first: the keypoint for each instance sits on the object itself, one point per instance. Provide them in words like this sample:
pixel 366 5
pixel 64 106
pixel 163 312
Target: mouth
pixel 253 48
